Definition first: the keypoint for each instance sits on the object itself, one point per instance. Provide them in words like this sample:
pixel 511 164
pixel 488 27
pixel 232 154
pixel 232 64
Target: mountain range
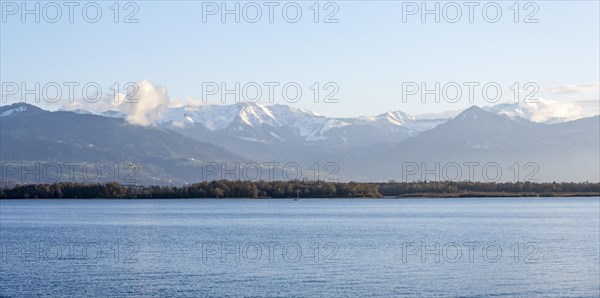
pixel 187 143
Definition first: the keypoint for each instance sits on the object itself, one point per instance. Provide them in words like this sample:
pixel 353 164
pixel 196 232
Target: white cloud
pixel 151 103
pixel 544 110
pixel 178 103
pixel 154 103
pixel 143 107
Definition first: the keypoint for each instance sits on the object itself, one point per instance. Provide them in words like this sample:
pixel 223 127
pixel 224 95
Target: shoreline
pixel 295 189
pixel 497 195
pixel 423 196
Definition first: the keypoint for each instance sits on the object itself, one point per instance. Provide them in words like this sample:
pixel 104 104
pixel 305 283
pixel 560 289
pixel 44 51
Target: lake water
pixel 262 248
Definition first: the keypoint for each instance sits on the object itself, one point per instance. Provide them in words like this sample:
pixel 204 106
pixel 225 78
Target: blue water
pixel 265 248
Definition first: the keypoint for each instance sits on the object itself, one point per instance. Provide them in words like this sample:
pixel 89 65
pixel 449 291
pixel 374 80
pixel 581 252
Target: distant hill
pixel 476 144
pixel 29 134
pixel 566 151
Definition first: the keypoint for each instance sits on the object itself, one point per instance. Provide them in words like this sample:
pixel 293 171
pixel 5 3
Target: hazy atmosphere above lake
pixel 299 148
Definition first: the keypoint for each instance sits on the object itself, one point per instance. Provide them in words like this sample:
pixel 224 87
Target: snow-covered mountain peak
pixel 398 118
pixel 541 111
pixel 510 110
pixel 282 109
pixel 274 123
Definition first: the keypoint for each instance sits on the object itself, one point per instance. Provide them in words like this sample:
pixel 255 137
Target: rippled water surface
pixel 410 247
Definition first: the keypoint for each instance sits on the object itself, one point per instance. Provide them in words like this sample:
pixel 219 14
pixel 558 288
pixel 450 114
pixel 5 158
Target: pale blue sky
pixel 369 53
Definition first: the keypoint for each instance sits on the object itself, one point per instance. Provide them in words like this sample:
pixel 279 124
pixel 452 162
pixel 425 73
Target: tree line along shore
pixel 301 189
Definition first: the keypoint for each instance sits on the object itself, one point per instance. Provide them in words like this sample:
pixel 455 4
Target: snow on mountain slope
pixel 113 114
pixel 11 112
pixel 278 123
pixel 211 117
pixel 19 109
pixel 283 123
pixel 78 111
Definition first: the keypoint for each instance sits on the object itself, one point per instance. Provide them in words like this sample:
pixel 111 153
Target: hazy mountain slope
pixel 36 135
pixel 366 148
pixel 563 151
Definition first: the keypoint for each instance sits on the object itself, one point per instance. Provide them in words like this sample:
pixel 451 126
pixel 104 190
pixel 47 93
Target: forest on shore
pixel 302 189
